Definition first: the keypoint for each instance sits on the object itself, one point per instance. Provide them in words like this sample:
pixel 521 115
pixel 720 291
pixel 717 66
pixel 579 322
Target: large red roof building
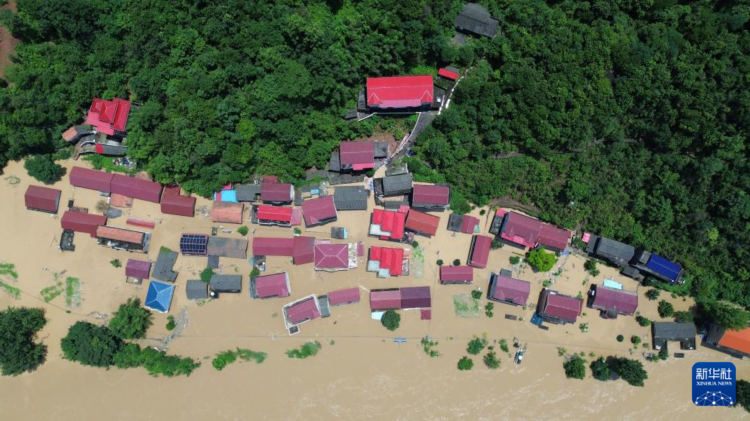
pixel 331 257
pixel 275 285
pixel 479 253
pixel 109 117
pixel 456 274
pixel 277 193
pixel 386 259
pixel 422 223
pixel 399 92
pixel 319 211
pixel 300 249
pixel 357 155
pixel 91 179
pixel 509 290
pixel 614 301
pixel 343 296
pixel 388 225
pixel 82 222
pixel 177 205
pixel 557 308
pixel 42 199
pixel 136 188
pixel 520 230
pixel 381 300
pixel 430 197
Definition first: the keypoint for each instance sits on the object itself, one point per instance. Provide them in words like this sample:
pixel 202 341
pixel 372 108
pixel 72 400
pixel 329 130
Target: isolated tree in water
pixel 18 351
pixel 391 320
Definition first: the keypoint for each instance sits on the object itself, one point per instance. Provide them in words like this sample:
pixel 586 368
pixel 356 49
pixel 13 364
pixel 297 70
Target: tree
pixel 665 309
pixel 541 260
pixel 575 367
pixel 476 346
pixel 465 364
pixel 631 371
pixel 491 361
pixel 391 320
pixel 683 317
pixel 457 262
pixel 90 344
pixel 254 273
pixel 653 294
pixel 600 369
pixel 663 354
pixel 636 340
pixel 171 324
pixel 743 394
pixel 727 315
pixel 643 321
pixel 415 244
pixel 476 294
pixel 206 275
pixel 128 357
pixel 44 169
pixel 440 262
pixel 18 329
pixel 115 263
pixel 243 230
pixel 131 321
pixel 496 244
pixel 620 338
pixel 590 266
pixel 514 260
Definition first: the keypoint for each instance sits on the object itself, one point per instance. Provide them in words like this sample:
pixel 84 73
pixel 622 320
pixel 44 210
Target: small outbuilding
pixel 196 290
pixel 178 205
pixel 137 269
pixel 226 283
pixel 277 193
pixel 82 222
pixel 227 212
pixel 270 286
pixel 42 199
pixel 476 20
pixel 456 274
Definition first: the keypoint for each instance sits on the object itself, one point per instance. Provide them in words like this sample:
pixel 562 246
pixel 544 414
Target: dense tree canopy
pixel 131 321
pixel 18 329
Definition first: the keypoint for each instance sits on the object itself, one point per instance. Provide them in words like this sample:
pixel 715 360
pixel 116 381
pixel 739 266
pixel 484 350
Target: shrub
pixel 584 327
pixel 44 169
pixel 575 368
pixel 546 283
pixel 743 394
pixel 243 230
pixel 309 349
pixel 491 361
pixel 116 263
pixel 653 294
pixel 488 309
pixel 18 328
pixel 504 345
pixel 663 354
pixel 683 317
pixel 476 294
pixel 465 364
pixel 496 244
pixel 440 262
pixel 297 231
pixel 514 260
pixel 391 320
pixel 620 338
pixel 635 339
pixel 457 262
pixel 631 371
pixel 666 309
pixel 171 323
pixel 206 275
pixel 158 362
pixel 600 369
pixel 223 359
pixel 541 260
pixel 476 346
pixel 482 212
pixel 415 244
pixel 590 266
pixel 254 273
pixel 643 321
pixel 131 321
pixel 90 344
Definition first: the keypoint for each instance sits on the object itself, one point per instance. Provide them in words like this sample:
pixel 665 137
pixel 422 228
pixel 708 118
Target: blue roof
pixel 227 196
pixel 664 267
pixel 159 296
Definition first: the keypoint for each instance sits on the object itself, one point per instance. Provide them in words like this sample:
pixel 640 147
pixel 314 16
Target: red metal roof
pixel 271 246
pixel 140 223
pixel 506 288
pixel 171 190
pixel 480 252
pixel 430 195
pixel 343 296
pixel 447 74
pixel 318 210
pixel 354 153
pixel 119 234
pixel 390 221
pixel 90 179
pixel 389 258
pixel 553 237
pixel 108 116
pixel 303 250
pixel 272 285
pixel 456 274
pixel 44 198
pixel 305 310
pixel 625 302
pixel 137 269
pixel 468 224
pixel 385 300
pixel 270 179
pixel 178 205
pixel 562 306
pixel 422 222
pixel 399 91
pixel 227 212
pixel 521 229
pixel 276 192
pixel 136 188
pixel 738 340
pixel 415 297
pixel 82 222
pixel 331 256
pixel 274 213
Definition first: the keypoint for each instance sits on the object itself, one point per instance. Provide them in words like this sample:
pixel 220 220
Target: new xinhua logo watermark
pixel 714 384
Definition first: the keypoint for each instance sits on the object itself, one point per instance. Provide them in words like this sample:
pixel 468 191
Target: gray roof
pixel 381 149
pixel 674 331
pixel 247 192
pixel 477 20
pixel 213 262
pixel 614 250
pixel 351 198
pixel 335 163
pixel 397 184
pixel 163 268
pixel 454 222
pixel 226 283
pixel 234 248
pixel 196 290
pixel 397 169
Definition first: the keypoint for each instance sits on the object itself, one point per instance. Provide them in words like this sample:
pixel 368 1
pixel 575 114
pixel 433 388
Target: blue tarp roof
pixel 227 196
pixel 664 267
pixel 159 296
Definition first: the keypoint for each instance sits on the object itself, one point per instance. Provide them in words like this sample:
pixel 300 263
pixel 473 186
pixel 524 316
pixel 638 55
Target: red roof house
pixel 82 222
pixel 272 246
pixel 430 197
pixel 274 215
pixel 388 225
pixel 319 211
pixel 331 257
pixel 276 285
pixel 479 253
pixel 737 340
pixel 90 179
pixel 343 296
pixel 42 199
pixel 357 155
pixel 614 301
pixel 520 229
pixel 227 212
pixel 422 223
pixel 119 234
pixel 509 290
pixel 177 205
pixel 381 300
pixel 303 311
pixel 415 297
pixel 456 274
pixel 137 269
pixel 448 74
pixel 468 223
pixel 109 116
pixel 136 188
pixel 399 91
pixel 280 193
pixel 386 259
pixel 303 250
pixel 270 179
pixel 554 238
pixel 557 308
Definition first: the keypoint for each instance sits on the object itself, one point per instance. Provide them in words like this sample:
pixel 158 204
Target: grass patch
pixel 165 249
pixel 51 292
pixel 9 269
pixel 225 358
pixel 101 162
pixel 309 349
pixel 11 290
pixel 72 292
pixel 416 263
pixel 465 306
pixel 428 345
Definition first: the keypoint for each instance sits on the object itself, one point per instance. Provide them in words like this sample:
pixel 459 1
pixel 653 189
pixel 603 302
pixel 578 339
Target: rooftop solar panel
pixel 194 244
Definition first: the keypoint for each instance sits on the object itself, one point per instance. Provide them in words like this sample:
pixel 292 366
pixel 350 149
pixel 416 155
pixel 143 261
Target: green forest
pixel 628 118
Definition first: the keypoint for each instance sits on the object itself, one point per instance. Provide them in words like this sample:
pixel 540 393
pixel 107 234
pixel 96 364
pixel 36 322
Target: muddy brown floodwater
pixel 359 374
